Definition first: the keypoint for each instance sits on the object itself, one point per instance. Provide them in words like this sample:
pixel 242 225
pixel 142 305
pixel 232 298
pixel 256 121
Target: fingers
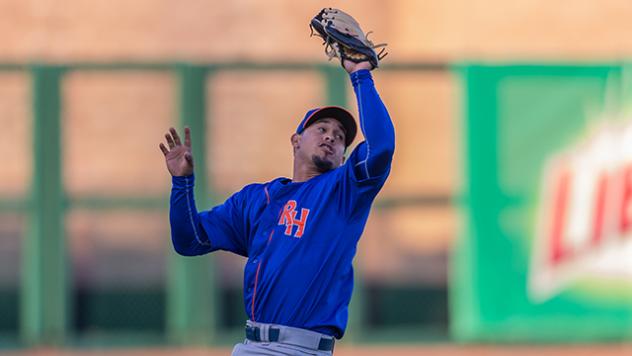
pixel 173 139
pixel 175 136
pixel 170 141
pixel 163 149
pixel 187 137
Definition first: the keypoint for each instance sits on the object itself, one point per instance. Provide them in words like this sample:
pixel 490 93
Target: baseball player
pixel 299 234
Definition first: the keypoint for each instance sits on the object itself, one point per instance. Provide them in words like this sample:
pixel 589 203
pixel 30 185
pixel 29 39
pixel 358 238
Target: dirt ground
pixel 426 350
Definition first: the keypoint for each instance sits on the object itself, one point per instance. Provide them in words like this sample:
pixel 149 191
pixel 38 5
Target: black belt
pixel 253 333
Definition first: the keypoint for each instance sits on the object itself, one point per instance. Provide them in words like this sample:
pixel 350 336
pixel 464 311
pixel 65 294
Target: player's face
pixel 323 144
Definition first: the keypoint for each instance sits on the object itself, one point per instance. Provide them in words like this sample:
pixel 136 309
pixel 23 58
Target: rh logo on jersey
pixel 289 219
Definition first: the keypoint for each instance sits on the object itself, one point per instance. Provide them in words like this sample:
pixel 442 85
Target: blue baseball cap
pixel 334 112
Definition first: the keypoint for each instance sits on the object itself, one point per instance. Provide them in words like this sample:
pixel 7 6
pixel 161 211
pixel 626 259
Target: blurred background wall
pixel 112 121
pixel 211 30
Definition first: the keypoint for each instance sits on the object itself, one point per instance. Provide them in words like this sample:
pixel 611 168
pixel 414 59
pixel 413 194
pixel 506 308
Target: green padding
pixel 387 307
pixel 232 314
pixel 395 306
pixel 121 310
pixel 8 311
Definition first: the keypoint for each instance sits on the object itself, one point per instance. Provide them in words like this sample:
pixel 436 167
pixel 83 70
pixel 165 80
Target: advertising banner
pixel 545 252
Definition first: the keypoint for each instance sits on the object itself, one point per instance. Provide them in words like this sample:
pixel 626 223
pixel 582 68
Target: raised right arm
pixel 194 233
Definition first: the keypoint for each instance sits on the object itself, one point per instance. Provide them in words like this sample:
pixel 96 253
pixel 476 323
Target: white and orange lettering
pixel 301 222
pixel 557 249
pixel 288 218
pixel 584 223
pixel 600 210
pixel 625 221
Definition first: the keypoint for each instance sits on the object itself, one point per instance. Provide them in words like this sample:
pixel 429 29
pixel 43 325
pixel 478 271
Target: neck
pixel 303 171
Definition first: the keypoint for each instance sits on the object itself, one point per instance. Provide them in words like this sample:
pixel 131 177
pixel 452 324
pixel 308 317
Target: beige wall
pixel 277 29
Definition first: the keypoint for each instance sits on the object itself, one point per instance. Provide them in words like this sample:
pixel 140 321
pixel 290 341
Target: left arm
pixel 374 156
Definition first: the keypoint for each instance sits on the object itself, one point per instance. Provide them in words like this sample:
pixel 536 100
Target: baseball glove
pixel 344 39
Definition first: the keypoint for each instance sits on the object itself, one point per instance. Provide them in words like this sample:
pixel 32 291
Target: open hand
pixel 178 157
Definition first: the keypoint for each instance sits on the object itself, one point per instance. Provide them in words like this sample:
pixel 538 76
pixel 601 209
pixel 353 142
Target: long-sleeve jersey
pixel 299 237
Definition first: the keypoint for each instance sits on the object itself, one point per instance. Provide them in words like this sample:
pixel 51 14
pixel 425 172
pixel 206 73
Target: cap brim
pixel 342 115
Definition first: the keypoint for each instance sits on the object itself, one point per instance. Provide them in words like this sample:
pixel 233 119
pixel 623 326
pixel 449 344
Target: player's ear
pixel 295 139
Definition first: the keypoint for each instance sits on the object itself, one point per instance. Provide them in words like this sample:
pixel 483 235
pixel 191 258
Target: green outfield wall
pixel 188 307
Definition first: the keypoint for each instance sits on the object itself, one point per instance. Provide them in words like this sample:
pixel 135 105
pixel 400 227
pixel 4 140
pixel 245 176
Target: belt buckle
pixel 326 344
pixel 253 333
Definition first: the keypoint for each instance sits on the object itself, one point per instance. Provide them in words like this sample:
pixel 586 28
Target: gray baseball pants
pixel 291 342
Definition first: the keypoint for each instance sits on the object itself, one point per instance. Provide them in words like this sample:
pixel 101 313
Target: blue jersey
pixel 300 237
